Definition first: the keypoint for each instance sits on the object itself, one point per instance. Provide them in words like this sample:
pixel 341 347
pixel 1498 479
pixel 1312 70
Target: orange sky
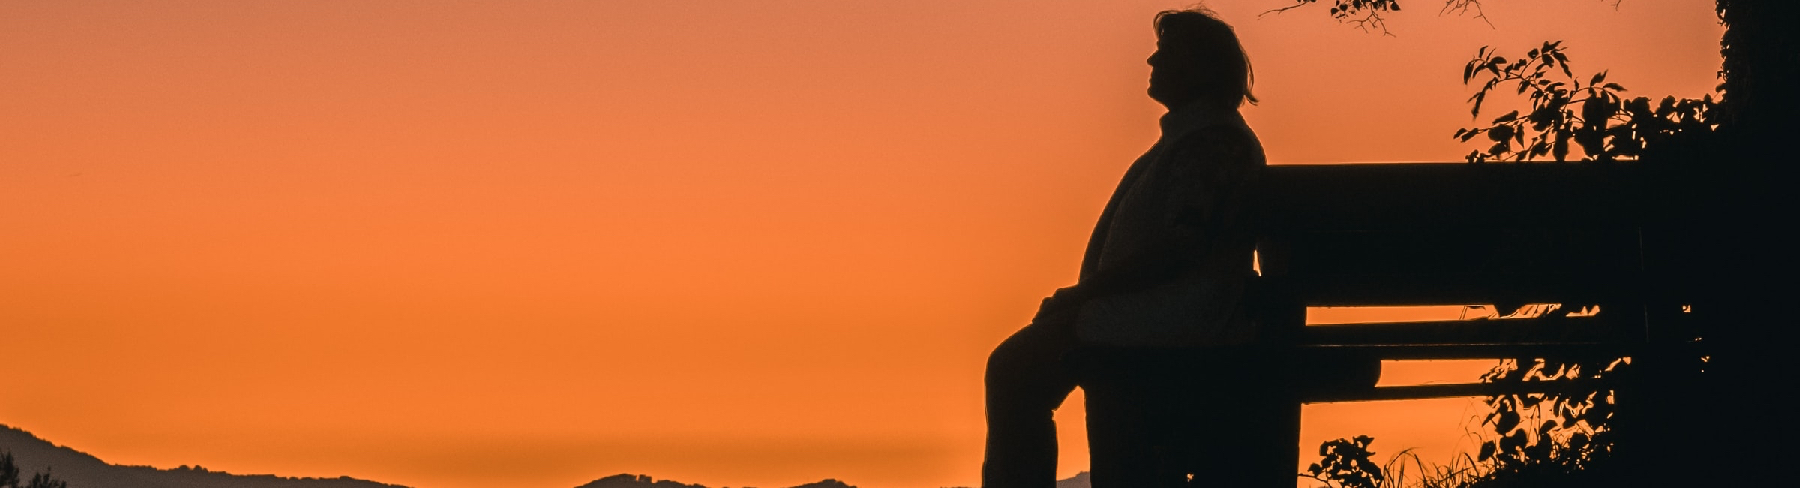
pixel 532 243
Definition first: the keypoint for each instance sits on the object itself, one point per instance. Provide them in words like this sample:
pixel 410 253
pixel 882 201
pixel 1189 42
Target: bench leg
pixel 1123 447
pixel 1141 436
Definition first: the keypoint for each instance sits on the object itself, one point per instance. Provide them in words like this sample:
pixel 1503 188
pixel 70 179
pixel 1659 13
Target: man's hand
pixel 1060 309
pixel 1073 293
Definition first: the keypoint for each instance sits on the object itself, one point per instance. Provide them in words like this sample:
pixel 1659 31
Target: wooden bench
pixel 1357 235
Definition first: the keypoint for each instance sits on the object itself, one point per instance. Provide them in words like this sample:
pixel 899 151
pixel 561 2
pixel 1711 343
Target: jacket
pixel 1177 227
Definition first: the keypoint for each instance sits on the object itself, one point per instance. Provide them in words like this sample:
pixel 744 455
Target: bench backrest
pixel 1458 233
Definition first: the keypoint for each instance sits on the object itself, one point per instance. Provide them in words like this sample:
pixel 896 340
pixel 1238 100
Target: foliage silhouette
pixel 1346 463
pixel 1553 434
pixel 9 476
pixel 1369 15
pixel 1363 14
pixel 1592 116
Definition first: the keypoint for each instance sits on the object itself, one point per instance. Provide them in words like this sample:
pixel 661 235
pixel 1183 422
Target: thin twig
pixel 1371 19
pixel 1297 4
pixel 1461 7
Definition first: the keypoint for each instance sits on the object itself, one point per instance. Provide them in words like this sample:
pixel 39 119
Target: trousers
pixel 1155 415
pixel 1026 382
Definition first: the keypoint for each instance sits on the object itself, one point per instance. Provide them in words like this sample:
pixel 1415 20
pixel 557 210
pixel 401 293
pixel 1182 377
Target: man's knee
pixel 1024 356
pixel 1004 366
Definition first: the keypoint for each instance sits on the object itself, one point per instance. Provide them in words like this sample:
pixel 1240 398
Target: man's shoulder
pixel 1219 144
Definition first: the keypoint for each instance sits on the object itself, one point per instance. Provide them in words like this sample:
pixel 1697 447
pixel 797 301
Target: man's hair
pixel 1210 42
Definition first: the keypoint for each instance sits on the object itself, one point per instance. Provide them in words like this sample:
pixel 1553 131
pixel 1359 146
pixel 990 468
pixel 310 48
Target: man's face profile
pixel 1172 75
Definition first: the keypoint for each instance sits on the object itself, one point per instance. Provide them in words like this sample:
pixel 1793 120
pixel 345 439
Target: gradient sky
pixel 533 243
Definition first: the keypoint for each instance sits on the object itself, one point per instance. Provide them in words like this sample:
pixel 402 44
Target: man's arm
pixel 1213 171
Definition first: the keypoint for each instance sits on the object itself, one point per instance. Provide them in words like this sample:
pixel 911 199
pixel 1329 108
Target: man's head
pixel 1198 57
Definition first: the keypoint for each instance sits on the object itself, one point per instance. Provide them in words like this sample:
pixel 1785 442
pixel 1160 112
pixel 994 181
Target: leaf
pixel 1598 77
pixel 1500 133
pixel 1513 442
pixel 1487 451
pixel 1560 150
pixel 1507 421
pixel 1509 117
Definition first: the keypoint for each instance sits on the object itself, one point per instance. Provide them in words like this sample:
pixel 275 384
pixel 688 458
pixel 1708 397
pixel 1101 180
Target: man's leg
pixel 1026 382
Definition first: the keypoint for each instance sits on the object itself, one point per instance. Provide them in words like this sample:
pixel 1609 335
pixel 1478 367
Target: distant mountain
pixel 642 481
pixel 82 470
pixel 634 481
pixel 1080 480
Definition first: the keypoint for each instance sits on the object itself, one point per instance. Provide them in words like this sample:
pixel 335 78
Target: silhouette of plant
pixel 43 480
pixel 1346 464
pixel 1565 113
pixel 1549 437
pixel 9 472
pixel 1536 439
pixel 9 476
pixel 1363 14
pixel 1556 432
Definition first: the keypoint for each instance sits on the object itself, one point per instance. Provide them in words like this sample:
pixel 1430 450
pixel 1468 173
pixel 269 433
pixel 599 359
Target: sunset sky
pixel 533 243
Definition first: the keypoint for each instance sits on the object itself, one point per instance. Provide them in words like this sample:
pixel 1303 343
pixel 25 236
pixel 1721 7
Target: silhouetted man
pixel 1168 262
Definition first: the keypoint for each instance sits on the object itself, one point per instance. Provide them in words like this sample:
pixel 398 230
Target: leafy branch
pixel 9 475
pixel 1346 464
pixel 1362 14
pixel 1563 431
pixel 1565 113
pixel 1463 7
pixel 1367 15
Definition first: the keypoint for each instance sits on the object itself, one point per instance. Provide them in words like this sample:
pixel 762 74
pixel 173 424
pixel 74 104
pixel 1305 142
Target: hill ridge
pixel 34 454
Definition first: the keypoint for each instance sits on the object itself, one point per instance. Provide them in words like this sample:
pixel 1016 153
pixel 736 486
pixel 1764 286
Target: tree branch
pixel 1461 7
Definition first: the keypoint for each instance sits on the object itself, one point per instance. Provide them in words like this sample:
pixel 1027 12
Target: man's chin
pixel 1159 99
